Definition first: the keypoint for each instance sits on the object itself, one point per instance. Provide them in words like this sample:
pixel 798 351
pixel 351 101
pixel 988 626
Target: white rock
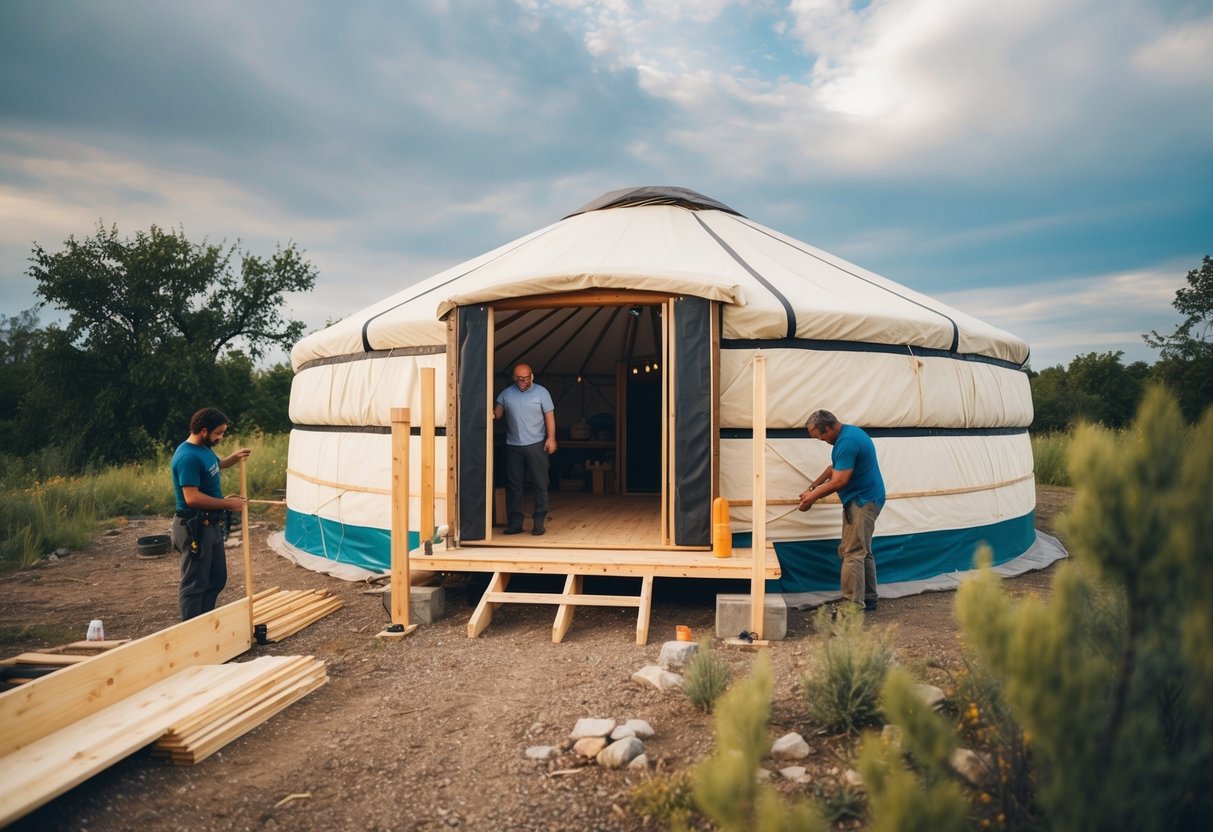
pixel 852 779
pixel 794 773
pixel 542 752
pixel 641 762
pixel 931 695
pixel 790 747
pixel 970 765
pixel 619 754
pixel 676 655
pixel 633 728
pixel 590 727
pixel 589 746
pixel 762 775
pixel 655 677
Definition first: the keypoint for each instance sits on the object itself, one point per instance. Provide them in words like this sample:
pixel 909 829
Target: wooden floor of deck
pixel 615 521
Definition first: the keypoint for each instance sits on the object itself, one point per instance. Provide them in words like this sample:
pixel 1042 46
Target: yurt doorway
pixel 603 357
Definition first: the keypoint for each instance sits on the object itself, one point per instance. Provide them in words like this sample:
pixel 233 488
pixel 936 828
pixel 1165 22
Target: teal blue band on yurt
pixel 812 565
pixel 364 546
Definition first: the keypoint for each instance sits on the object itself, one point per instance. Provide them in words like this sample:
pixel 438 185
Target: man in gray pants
pixel 855 474
pixel 530 437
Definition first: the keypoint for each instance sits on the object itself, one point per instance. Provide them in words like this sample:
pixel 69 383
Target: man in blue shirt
pixel 530 436
pixel 196 531
pixel 855 474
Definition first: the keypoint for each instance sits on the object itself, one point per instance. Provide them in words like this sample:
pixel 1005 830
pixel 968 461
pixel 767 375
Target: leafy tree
pixel 1053 409
pixel 1191 338
pixel 20 337
pixel 1187 353
pixel 157 327
pixel 1103 390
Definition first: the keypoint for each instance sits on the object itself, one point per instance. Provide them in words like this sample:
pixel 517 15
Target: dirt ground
pixel 427 733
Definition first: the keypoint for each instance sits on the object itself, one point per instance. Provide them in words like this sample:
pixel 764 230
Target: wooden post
pixel 248 552
pixel 757 581
pixel 401 429
pixel 427 457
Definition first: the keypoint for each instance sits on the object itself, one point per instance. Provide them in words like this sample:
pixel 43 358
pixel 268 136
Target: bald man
pixel 530 437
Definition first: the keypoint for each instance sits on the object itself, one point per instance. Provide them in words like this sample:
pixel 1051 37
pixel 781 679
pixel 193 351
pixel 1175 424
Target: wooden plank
pixel 426 526
pixel 646 607
pixel 611 562
pixel 45 705
pixel 564 613
pixel 400 515
pixel 759 534
pixel 483 614
pixel 244 541
pixel 60 759
pixel 48 659
pixel 561 598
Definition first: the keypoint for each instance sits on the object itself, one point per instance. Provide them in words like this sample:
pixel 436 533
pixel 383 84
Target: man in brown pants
pixel 855 474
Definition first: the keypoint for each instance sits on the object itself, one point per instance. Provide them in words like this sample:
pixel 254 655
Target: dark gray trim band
pixel 429 349
pixel 787 306
pixel 860 346
pixel 801 433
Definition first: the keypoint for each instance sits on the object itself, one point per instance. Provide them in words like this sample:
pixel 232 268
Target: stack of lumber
pixel 287 611
pixel 26 667
pixel 34 773
pixel 208 729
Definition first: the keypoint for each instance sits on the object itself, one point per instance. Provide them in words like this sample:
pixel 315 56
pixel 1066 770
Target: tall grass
pixel 1049 457
pixel 41 514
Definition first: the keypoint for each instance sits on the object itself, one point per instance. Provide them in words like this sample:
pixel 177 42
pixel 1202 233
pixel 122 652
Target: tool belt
pixel 196 521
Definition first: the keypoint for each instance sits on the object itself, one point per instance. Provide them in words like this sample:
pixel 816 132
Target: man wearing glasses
pixel 530 436
pixel 855 474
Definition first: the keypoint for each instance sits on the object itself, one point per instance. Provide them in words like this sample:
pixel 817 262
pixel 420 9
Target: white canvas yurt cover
pixel 942 394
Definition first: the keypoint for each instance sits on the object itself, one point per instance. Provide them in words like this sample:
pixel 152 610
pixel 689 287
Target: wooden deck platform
pixel 587 536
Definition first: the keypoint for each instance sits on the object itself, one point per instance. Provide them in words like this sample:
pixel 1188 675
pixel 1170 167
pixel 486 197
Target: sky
pixel 1044 166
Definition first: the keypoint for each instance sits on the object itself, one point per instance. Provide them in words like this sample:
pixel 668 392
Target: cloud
pixel 1100 313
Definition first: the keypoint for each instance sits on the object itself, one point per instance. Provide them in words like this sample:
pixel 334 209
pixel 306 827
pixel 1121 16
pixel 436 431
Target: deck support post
pixel 759 535
pixel 401 583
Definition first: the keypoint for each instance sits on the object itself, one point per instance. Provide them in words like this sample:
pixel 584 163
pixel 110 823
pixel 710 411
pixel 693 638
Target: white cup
pixel 96 630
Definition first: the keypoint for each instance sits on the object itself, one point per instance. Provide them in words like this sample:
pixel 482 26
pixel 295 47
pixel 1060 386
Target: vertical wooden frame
pixel 759 535
pixel 667 424
pixel 401 439
pixel 426 526
pixel 452 425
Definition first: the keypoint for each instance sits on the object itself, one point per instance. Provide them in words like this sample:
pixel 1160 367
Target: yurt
pixel 642 313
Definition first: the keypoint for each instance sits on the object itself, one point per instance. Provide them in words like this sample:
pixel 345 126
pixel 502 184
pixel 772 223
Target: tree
pixel 1191 338
pixel 158 326
pixel 1186 367
pixel 20 338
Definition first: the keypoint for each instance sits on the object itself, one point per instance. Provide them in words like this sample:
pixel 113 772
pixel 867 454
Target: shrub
pixel 842 687
pixel 726 787
pixel 665 800
pixel 909 783
pixel 707 677
pixel 1111 675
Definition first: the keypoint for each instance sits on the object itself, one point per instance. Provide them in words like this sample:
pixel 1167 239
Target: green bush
pixel 666 801
pixel 707 677
pixel 910 783
pixel 727 789
pixel 1110 677
pixel 842 686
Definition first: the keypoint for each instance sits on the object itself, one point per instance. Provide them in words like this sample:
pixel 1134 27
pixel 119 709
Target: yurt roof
pixel 671 241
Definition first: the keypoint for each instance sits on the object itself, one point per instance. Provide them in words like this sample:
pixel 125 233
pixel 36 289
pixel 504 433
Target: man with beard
pixel 197 527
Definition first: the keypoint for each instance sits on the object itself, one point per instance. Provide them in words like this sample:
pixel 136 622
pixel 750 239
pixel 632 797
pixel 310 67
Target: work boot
pixel 537 527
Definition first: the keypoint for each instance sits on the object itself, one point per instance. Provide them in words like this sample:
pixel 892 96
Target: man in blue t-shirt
pixel 196 528
pixel 530 437
pixel 855 474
